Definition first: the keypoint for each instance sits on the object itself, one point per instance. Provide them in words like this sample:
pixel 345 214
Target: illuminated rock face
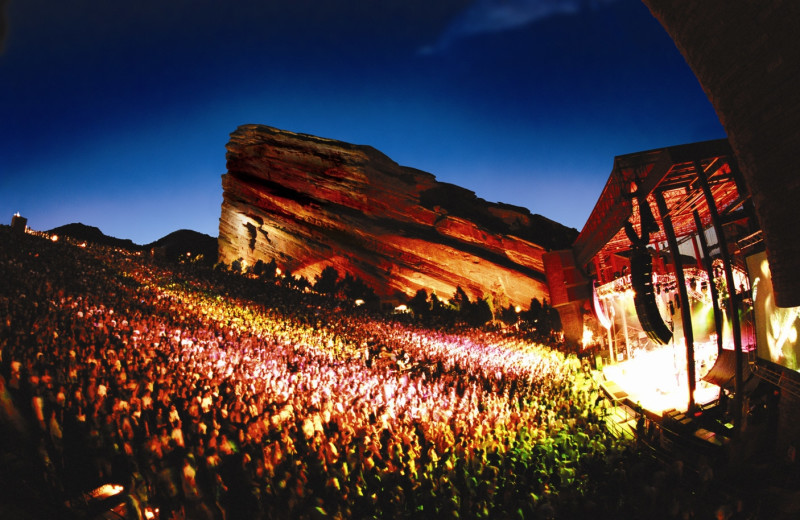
pixel 310 202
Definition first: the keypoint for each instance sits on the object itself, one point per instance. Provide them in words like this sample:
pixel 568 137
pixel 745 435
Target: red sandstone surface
pixel 310 202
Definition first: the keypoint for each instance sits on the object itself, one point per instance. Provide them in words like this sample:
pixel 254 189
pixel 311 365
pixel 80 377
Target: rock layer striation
pixel 310 202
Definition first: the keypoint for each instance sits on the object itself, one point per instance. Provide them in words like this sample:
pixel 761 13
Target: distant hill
pixel 173 246
pixel 92 234
pixel 179 243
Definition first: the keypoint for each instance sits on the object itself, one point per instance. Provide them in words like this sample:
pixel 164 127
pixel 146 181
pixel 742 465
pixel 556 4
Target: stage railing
pixel 772 375
pixel 618 416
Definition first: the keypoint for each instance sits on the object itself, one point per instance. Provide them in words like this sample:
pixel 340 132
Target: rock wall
pixel 746 55
pixel 310 202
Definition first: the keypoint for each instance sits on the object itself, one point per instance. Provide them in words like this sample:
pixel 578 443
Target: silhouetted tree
pixel 542 319
pixel 419 304
pixel 508 315
pixel 265 271
pixel 300 283
pixel 350 287
pixel 236 265
pixel 354 288
pixel 551 320
pixel 460 300
pixel 258 267
pixel 491 304
pixel 441 313
pixel 437 306
pixel 295 282
pixel 534 312
pixel 478 313
pixel 326 281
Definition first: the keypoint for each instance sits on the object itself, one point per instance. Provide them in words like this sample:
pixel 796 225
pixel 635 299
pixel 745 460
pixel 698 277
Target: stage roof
pixel 673 172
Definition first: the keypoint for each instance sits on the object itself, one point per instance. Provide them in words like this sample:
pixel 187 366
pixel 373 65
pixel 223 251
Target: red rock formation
pixel 310 202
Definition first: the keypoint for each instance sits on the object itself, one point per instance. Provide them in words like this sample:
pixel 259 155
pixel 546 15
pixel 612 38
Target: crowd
pixel 210 396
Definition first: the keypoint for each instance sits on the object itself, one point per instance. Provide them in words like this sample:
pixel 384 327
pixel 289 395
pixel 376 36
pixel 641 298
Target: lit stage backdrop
pixel 776 327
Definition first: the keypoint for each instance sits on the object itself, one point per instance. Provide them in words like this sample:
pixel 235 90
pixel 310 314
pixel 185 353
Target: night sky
pixel 116 114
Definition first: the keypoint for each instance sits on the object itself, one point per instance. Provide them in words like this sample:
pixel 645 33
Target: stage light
pixel 588 338
pixel 106 491
pixel 599 311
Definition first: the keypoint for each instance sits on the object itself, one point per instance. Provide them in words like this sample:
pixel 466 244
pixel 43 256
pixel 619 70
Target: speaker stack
pixel 644 298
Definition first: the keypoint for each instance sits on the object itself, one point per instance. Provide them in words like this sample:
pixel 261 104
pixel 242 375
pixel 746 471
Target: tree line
pixel 539 320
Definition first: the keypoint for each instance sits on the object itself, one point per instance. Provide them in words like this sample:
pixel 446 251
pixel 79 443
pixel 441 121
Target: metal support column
pixel 712 286
pixel 733 306
pixel 686 309
pixel 625 329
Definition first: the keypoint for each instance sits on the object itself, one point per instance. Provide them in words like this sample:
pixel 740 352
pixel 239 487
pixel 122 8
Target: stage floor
pixel 657 381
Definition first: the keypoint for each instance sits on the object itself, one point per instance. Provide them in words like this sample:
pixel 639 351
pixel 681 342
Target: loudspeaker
pixel 644 298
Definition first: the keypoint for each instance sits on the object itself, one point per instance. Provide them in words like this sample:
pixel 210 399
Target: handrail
pixel 778 378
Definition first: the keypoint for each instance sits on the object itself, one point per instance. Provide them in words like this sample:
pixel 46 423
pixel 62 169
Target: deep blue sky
pixel 116 114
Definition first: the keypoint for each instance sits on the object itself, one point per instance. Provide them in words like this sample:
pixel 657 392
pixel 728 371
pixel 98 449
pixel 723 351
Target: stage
pixel 656 379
